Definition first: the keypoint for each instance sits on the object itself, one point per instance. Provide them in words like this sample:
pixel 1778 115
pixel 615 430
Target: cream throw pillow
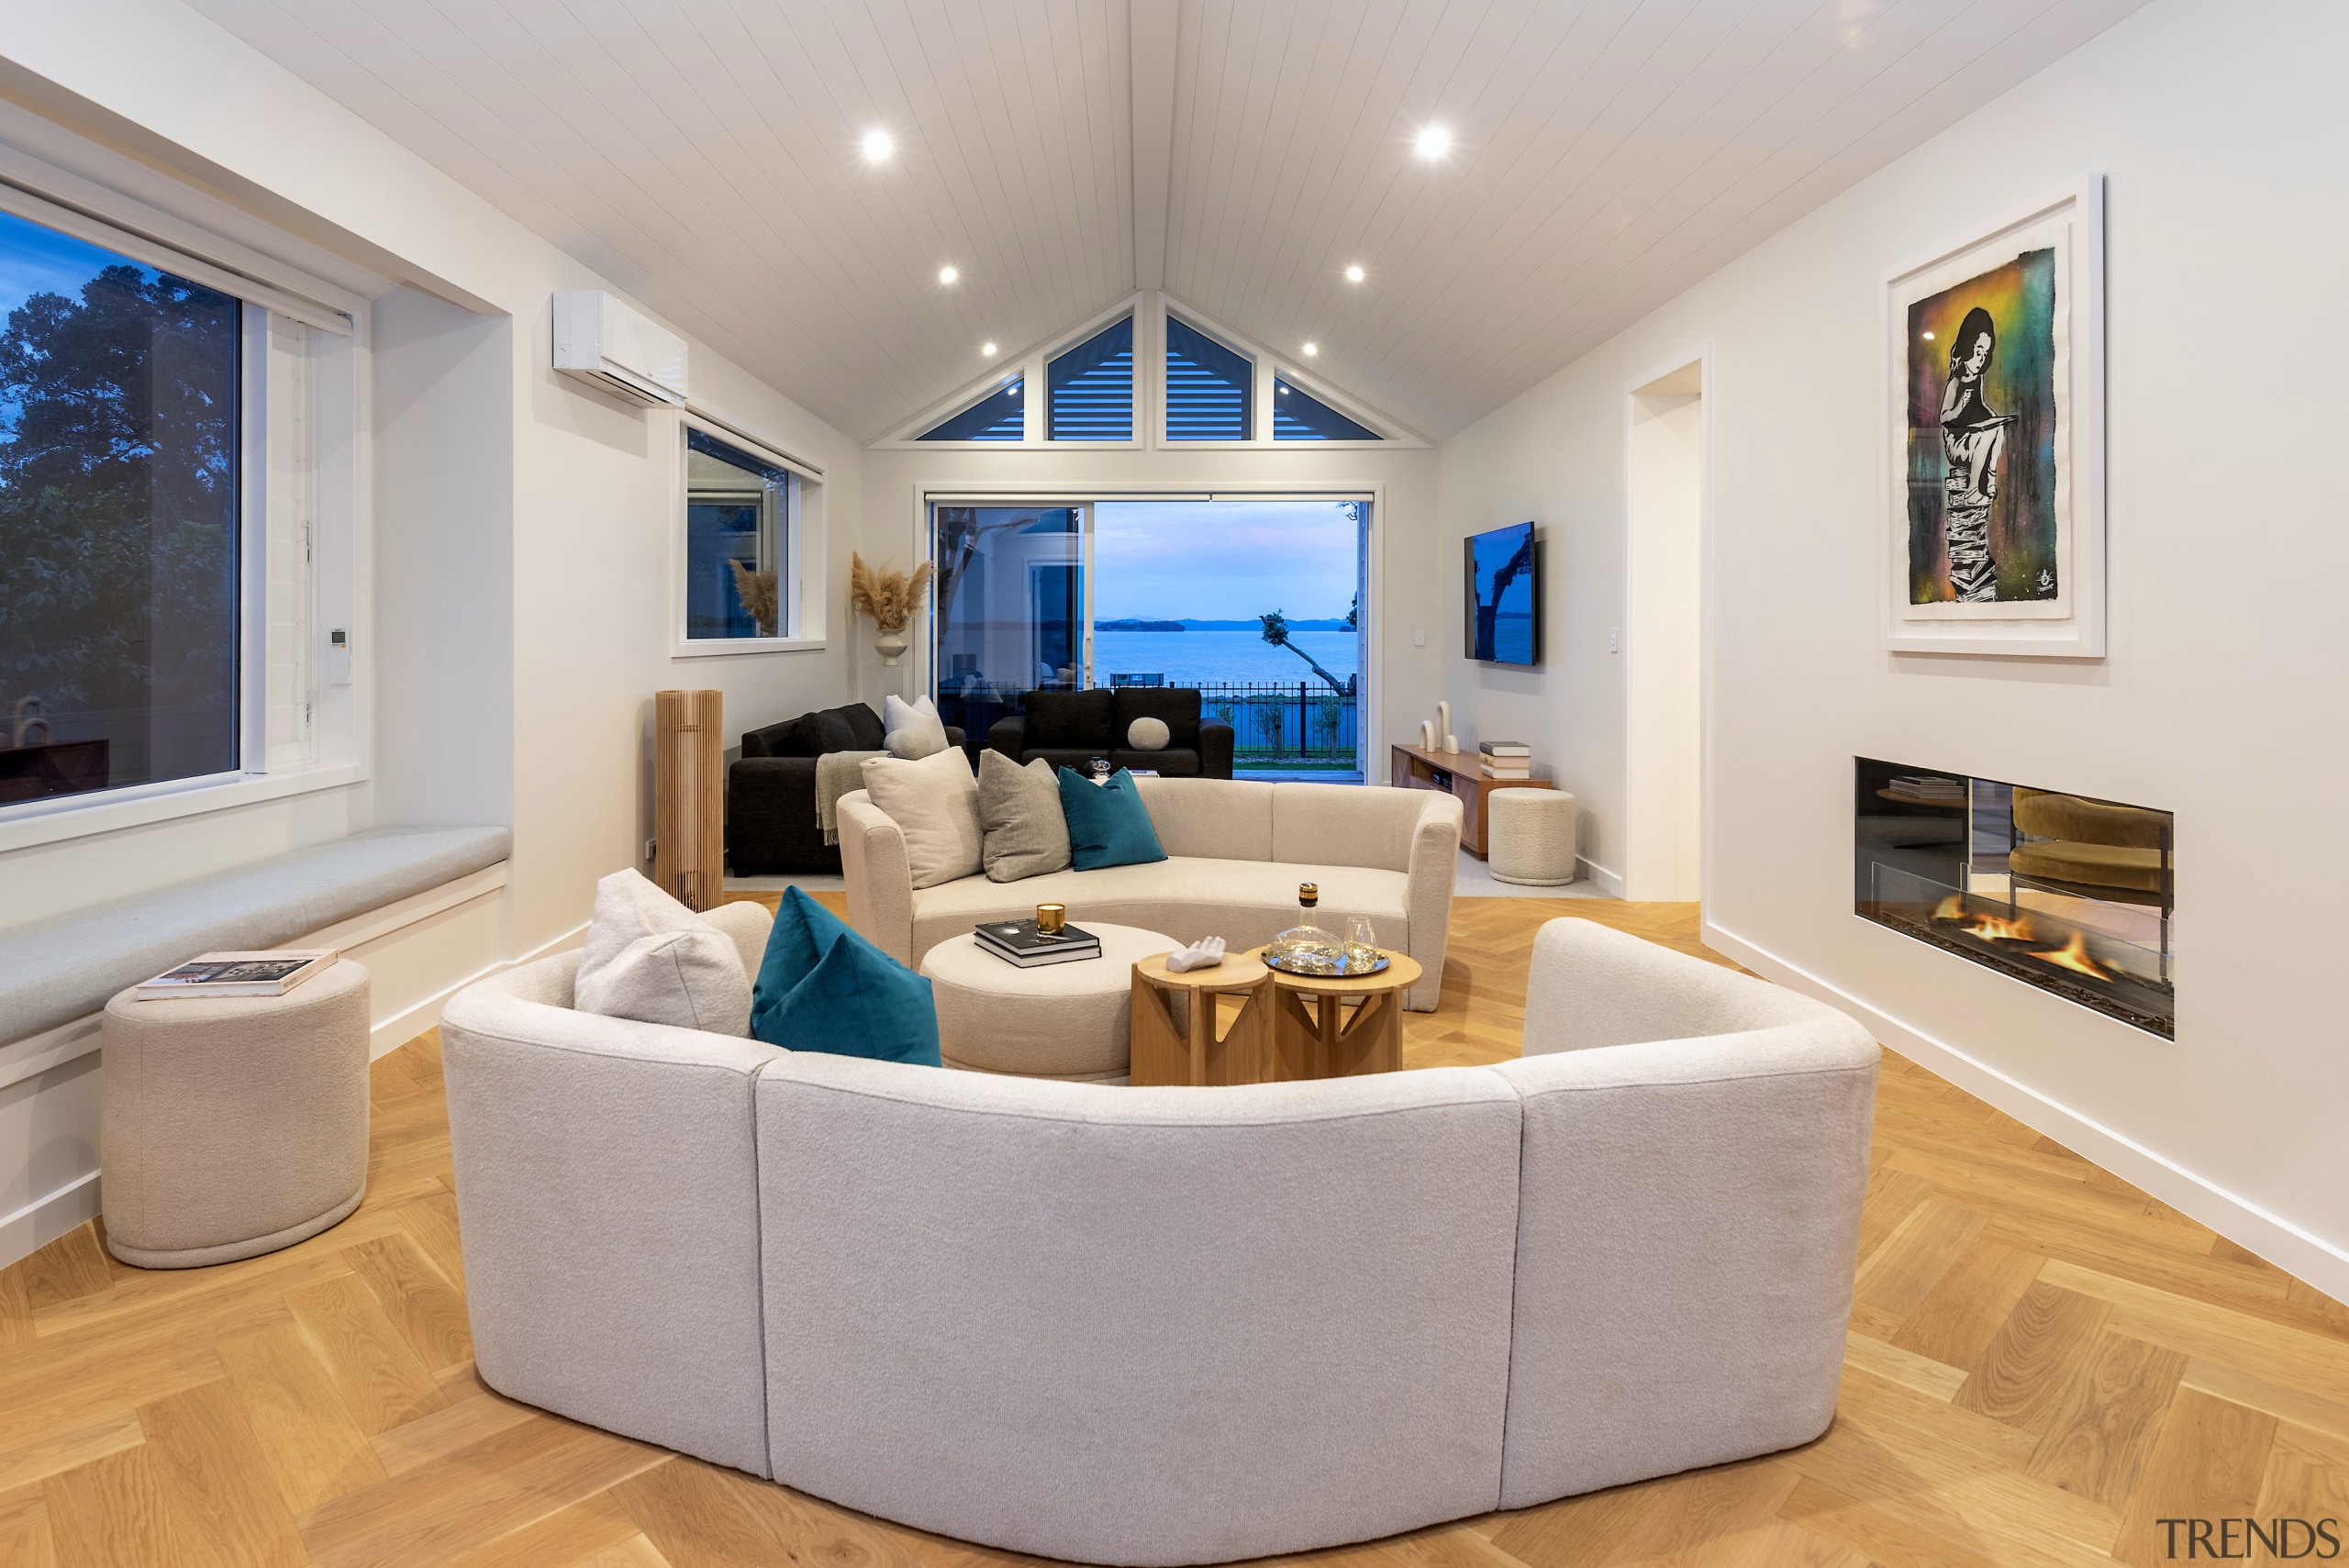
pixel 651 958
pixel 911 730
pixel 1024 832
pixel 935 803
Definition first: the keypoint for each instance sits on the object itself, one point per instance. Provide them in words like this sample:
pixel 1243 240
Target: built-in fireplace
pixel 2071 893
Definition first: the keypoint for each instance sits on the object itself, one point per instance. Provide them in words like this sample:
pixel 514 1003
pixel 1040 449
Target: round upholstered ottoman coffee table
pixel 1058 1021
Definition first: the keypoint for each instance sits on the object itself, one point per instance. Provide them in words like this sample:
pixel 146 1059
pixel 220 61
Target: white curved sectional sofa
pixel 1176 1325
pixel 1236 850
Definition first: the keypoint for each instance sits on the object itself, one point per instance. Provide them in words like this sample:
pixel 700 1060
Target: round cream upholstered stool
pixel 233 1126
pixel 1530 836
pixel 1058 1021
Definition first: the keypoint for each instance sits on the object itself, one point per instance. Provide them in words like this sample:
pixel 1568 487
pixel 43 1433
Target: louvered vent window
pixel 1299 415
pixel 1090 389
pixel 1000 415
pixel 1208 387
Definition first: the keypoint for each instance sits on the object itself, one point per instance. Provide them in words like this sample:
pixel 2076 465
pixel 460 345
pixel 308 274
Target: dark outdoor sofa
pixel 1068 729
pixel 770 825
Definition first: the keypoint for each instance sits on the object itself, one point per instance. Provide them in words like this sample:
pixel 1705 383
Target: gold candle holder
pixel 1051 918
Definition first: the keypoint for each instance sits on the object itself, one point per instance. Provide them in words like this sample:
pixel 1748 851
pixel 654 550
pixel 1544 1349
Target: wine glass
pixel 1362 943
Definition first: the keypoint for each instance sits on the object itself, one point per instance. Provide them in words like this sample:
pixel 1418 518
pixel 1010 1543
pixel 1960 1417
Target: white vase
pixel 891 646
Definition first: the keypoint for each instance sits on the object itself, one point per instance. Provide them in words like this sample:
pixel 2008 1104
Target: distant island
pixel 1335 623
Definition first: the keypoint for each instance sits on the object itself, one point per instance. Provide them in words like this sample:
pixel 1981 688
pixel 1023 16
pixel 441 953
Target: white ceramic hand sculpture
pixel 1204 954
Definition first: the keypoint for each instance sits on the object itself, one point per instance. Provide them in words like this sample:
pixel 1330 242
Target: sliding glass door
pixel 1010 608
pixel 1252 600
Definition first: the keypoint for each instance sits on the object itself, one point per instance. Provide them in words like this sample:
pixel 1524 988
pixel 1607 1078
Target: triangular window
pixel 1000 415
pixel 1299 415
pixel 1090 389
pixel 1208 387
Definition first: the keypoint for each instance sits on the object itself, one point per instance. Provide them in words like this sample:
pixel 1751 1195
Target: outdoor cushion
pixel 1107 824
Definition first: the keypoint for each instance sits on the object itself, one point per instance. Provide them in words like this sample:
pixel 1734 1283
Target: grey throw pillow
pixel 1022 832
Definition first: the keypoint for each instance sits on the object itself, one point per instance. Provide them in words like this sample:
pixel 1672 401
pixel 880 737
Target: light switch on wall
pixel 1614 639
pixel 1419 639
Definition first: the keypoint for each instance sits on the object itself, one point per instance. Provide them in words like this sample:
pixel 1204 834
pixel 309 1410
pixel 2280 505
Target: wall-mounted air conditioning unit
pixel 600 339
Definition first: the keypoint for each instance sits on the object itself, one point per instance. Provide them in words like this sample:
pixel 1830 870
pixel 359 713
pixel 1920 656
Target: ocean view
pixel 1213 657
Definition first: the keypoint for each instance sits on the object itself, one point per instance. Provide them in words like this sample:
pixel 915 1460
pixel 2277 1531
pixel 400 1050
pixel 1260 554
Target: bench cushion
pixel 59 970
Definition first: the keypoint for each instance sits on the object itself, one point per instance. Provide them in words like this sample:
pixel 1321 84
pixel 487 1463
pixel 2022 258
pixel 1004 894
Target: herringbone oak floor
pixel 2043 1362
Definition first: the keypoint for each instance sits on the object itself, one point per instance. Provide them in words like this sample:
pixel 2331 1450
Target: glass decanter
pixel 1305 948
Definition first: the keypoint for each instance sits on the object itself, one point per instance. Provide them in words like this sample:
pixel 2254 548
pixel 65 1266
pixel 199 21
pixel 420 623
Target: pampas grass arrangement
pixel 758 593
pixel 888 595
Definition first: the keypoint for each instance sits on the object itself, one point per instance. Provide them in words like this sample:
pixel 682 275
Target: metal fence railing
pixel 1305 722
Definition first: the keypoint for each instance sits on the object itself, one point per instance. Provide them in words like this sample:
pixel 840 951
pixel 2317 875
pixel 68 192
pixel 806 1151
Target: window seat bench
pixel 56 971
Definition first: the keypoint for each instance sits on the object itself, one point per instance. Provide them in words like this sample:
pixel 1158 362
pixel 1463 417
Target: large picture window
pixel 119 443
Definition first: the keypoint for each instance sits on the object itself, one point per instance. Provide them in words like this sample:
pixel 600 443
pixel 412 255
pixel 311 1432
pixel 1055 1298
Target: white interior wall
pixel 1406 570
pixel 1663 499
pixel 2218 129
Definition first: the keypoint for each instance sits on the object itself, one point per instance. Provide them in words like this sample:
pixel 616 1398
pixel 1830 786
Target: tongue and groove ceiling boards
pixel 1239 154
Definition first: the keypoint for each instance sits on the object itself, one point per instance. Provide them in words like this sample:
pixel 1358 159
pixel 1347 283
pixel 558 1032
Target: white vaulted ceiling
pixel 703 154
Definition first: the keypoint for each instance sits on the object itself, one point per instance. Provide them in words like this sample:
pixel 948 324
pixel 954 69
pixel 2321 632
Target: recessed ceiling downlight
pixel 949 275
pixel 1354 273
pixel 988 348
pixel 1311 349
pixel 878 145
pixel 1432 142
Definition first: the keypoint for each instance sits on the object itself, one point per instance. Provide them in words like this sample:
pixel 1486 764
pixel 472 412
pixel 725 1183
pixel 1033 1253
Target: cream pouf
pixel 1058 1021
pixel 1530 836
pixel 233 1126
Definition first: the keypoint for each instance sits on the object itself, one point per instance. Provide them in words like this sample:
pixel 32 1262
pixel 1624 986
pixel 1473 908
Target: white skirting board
pixel 2287 1246
pixel 1608 882
pixel 420 952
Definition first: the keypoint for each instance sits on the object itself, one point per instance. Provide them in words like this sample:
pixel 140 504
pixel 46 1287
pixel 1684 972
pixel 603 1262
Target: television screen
pixel 1504 608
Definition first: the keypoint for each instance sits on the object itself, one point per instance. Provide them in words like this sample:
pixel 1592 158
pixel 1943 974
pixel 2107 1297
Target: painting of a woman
pixel 1973 441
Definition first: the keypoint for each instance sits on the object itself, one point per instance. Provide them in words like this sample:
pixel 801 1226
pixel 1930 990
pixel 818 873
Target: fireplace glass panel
pixel 2070 894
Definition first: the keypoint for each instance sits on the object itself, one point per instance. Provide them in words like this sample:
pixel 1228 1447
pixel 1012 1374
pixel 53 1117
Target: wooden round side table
pixel 1173 1039
pixel 1314 1036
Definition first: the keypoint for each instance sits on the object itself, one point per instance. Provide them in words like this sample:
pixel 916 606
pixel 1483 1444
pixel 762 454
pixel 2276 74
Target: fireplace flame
pixel 1987 927
pixel 2020 929
pixel 2073 955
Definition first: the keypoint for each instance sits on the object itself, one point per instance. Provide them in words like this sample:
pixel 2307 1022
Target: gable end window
pixel 1208 387
pixel 1090 389
pixel 1000 415
pixel 1299 415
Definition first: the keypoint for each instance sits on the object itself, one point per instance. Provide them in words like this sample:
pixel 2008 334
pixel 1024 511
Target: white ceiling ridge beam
pixel 1152 29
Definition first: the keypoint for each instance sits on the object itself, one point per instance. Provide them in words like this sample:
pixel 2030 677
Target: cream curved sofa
pixel 1176 1325
pixel 1236 850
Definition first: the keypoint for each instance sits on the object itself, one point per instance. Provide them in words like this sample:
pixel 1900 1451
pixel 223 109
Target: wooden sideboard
pixel 1460 774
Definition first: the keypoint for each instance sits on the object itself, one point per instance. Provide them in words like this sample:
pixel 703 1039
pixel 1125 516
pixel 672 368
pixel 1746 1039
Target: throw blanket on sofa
pixel 837 774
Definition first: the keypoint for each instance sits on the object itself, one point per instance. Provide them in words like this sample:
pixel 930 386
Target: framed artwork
pixel 1995 401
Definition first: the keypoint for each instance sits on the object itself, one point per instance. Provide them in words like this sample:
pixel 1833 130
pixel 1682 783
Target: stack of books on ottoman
pixel 1019 942
pixel 1505 760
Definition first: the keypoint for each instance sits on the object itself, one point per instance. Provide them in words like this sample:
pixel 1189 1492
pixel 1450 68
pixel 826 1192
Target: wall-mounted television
pixel 1504 599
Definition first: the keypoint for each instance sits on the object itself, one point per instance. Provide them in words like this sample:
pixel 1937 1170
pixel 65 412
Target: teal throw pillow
pixel 1107 824
pixel 822 987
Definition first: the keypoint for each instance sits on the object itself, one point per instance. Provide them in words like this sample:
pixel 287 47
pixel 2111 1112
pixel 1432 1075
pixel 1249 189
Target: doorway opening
pixel 1255 601
pixel 1662 674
